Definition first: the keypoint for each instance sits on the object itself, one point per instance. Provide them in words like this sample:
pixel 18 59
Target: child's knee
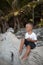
pixel 28 47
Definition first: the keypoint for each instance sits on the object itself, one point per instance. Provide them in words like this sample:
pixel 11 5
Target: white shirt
pixel 32 36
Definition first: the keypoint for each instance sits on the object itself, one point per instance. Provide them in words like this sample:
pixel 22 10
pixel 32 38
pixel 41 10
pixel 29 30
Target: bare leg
pixel 28 49
pixel 21 45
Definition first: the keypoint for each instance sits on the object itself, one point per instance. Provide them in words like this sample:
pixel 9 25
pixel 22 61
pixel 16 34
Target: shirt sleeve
pixel 26 35
pixel 35 36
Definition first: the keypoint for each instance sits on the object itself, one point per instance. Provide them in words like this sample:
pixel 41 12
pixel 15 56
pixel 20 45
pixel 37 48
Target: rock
pixel 20 34
pixel 11 45
pixel 10 30
pixel 40 35
pixel 4 62
pixel 39 43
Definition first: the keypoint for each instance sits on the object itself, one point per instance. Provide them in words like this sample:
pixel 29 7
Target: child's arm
pixel 29 39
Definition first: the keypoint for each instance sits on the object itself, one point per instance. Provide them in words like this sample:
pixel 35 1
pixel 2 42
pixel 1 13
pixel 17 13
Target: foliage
pixel 24 8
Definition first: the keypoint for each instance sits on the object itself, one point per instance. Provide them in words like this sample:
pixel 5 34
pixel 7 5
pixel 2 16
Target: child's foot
pixel 24 58
pixel 22 62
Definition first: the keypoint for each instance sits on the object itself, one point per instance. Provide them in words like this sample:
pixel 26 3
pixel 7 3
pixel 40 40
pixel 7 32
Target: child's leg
pixel 21 45
pixel 28 49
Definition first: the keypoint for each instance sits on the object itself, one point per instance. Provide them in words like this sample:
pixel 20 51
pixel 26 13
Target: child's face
pixel 28 27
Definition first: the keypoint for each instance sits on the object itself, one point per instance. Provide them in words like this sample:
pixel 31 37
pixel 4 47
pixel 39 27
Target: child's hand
pixel 29 39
